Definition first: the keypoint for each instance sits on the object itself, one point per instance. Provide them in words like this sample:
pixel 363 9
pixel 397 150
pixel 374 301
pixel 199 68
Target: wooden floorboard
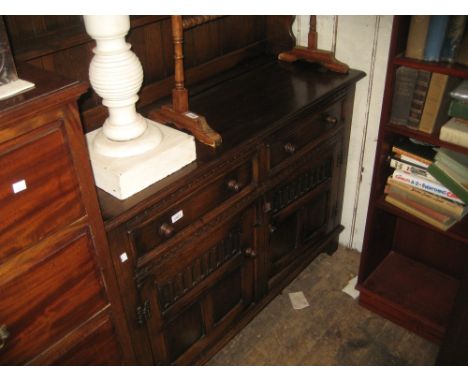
pixel 333 330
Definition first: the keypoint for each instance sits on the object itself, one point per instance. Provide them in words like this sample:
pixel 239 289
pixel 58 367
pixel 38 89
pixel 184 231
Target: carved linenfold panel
pixel 200 268
pixel 306 181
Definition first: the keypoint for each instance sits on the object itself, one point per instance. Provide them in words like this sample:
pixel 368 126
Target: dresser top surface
pixel 243 105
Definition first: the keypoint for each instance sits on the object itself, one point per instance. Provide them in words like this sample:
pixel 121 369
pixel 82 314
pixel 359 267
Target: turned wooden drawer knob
pixel 233 185
pixel 290 148
pixel 166 230
pixel 4 334
pixel 331 120
pixel 249 252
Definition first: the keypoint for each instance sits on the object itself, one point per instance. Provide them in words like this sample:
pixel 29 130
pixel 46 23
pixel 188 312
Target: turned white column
pixel 129 152
pixel 116 75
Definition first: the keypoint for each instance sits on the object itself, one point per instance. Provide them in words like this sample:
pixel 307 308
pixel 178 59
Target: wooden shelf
pixel 411 294
pixel 457 232
pixel 428 138
pixel 454 70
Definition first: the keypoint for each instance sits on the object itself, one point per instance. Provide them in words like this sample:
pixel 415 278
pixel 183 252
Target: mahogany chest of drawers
pixel 58 298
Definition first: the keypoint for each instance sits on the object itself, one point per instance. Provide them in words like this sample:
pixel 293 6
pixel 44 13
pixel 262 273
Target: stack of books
pixel 438 38
pixel 455 130
pixel 428 183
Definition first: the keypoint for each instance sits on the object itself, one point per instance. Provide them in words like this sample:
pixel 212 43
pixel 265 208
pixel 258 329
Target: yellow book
pixel 444 226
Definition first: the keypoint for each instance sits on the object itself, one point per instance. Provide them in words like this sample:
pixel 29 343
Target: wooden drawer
pixel 64 289
pixel 159 227
pixel 94 343
pixel 290 141
pixel 38 185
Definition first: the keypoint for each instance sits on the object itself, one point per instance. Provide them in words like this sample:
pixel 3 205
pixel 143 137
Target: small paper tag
pixel 350 288
pixel 19 186
pixel 298 300
pixel 123 257
pixel 177 216
pixel 191 115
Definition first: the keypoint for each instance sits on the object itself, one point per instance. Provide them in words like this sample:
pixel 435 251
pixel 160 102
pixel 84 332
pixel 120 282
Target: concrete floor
pixel 333 330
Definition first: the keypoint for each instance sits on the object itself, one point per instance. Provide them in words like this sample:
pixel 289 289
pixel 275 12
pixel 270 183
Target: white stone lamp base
pixel 124 177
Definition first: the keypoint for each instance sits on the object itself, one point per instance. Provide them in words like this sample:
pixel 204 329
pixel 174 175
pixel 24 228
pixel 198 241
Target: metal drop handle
pixel 4 334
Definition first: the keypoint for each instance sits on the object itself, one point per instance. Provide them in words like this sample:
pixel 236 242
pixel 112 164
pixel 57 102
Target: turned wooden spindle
pixel 179 113
pixel 179 93
pixel 312 54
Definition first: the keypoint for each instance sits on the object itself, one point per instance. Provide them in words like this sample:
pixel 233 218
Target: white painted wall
pixel 362 42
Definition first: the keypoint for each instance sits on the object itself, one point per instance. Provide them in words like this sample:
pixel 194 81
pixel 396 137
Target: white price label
pixel 19 186
pixel 191 115
pixel 177 216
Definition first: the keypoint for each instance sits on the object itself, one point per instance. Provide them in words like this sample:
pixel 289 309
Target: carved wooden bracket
pixel 312 54
pixel 179 113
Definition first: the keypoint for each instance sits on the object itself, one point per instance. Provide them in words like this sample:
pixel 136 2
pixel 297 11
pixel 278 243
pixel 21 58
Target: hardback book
pixel 435 37
pixel 419 26
pixel 410 168
pixel 419 98
pixel 437 102
pixel 455 131
pixel 457 162
pixel 421 213
pixel 460 93
pixel 405 83
pixel 422 153
pixel 449 182
pixel 444 206
pixel 458 109
pixel 435 188
pixel 462 179
pixel 453 37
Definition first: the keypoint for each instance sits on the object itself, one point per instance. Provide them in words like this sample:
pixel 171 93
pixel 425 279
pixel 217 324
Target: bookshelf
pixel 410 271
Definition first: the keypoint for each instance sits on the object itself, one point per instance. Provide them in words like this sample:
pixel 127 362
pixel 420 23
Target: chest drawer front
pixel 289 141
pixel 163 226
pixel 39 192
pixel 64 290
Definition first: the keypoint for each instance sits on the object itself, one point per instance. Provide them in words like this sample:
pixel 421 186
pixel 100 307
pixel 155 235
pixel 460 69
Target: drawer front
pixel 162 227
pixel 199 292
pixel 292 139
pixel 64 290
pixel 93 344
pixel 39 192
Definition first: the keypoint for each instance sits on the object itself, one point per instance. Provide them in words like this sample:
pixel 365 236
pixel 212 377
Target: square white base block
pixel 124 177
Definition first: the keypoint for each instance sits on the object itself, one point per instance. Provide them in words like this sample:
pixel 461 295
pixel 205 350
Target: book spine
pixel 435 37
pixel 456 136
pixel 405 82
pixel 411 156
pixel 448 182
pixel 412 211
pixel 436 215
pixel 434 98
pixel 417 34
pixel 426 185
pixel 430 200
pixel 458 109
pixel 453 37
pixel 411 169
pixel 419 98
